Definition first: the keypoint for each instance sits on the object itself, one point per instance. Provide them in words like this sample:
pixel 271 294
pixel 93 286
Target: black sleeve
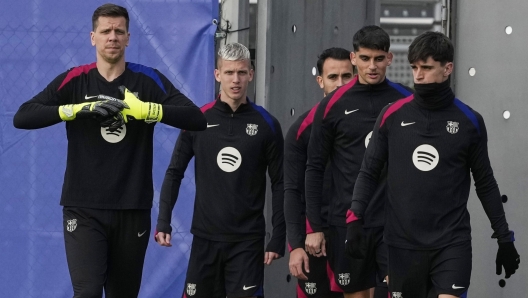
pixel 371 168
pixel 275 155
pixel 294 168
pixel 188 118
pixel 43 109
pixel 319 147
pixel 179 111
pixel 486 186
pixel 182 154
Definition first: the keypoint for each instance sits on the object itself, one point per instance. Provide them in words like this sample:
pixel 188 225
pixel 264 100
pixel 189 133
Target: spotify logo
pixel 229 159
pixel 113 136
pixel 425 157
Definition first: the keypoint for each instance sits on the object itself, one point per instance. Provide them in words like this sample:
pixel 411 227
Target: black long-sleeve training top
pixel 295 156
pixel 430 153
pixel 341 131
pixel 231 159
pixel 108 170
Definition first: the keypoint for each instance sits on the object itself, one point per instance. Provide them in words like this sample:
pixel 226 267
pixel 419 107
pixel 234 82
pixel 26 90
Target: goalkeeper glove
pixel 135 109
pixel 105 107
pixel 113 123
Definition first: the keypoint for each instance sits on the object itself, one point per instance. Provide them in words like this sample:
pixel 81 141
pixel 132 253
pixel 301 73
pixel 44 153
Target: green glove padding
pixel 105 107
pixel 135 109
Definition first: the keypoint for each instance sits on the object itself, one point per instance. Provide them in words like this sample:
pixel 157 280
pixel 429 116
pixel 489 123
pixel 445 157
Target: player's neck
pixel 232 102
pixel 110 71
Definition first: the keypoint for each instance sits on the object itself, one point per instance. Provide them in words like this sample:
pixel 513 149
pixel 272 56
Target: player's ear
pixel 353 58
pixel 251 74
pixel 390 56
pixel 448 69
pixel 319 80
pixel 217 74
pixel 92 38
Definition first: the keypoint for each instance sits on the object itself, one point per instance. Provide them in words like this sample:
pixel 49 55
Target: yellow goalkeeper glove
pixel 135 109
pixel 105 107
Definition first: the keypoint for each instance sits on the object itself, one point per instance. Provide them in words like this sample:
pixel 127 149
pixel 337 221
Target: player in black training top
pixel 431 141
pixel 107 192
pixel 341 131
pixel 241 143
pixel 335 69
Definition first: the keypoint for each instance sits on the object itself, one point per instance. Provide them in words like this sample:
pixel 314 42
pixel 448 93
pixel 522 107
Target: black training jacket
pixel 231 159
pixel 341 131
pixel 295 156
pixel 108 170
pixel 430 154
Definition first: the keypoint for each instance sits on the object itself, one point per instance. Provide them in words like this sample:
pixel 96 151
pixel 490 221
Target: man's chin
pixel 236 97
pixel 113 59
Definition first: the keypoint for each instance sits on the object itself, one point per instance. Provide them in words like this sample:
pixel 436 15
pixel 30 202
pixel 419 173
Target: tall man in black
pixel 430 141
pixel 341 131
pixel 107 192
pixel 241 143
pixel 335 69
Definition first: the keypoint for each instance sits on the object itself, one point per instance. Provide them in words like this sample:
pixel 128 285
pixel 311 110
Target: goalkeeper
pixel 107 192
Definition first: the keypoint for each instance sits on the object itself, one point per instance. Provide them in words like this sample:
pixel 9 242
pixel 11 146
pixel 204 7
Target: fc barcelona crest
pixel 311 288
pixel 251 129
pixel 191 289
pixel 344 279
pixel 452 127
pixel 71 225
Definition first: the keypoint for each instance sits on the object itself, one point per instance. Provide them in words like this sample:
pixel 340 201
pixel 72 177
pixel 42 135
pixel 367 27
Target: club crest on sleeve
pixel 252 129
pixel 452 127
pixel 311 288
pixel 191 289
pixel 71 225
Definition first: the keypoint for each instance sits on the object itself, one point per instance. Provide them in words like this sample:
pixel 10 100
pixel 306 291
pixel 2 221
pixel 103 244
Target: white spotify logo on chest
pixel 229 159
pixel 425 157
pixel 114 136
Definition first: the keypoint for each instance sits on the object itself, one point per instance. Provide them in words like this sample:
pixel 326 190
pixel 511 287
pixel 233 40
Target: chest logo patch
pixel 452 127
pixel 367 139
pixel 229 159
pixel 425 157
pixel 252 129
pixel 113 136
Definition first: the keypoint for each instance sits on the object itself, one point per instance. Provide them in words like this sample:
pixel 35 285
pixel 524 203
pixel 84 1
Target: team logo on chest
pixel 452 127
pixel 191 289
pixel 229 159
pixel 71 225
pixel 344 279
pixel 252 129
pixel 397 295
pixel 425 157
pixel 311 288
pixel 114 136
